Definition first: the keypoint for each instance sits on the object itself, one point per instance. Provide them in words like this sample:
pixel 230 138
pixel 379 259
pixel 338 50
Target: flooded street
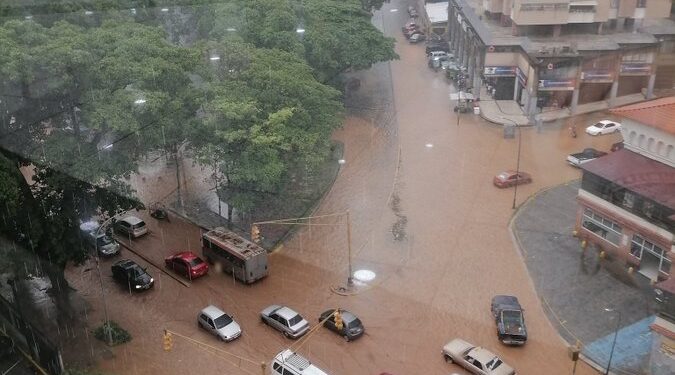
pixel 427 226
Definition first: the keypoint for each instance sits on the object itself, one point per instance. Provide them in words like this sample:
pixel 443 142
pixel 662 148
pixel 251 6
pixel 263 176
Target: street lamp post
pixel 106 323
pixel 616 333
pixel 515 190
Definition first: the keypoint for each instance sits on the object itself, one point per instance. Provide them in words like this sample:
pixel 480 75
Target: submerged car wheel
pixel 346 338
pixel 288 336
pixel 448 358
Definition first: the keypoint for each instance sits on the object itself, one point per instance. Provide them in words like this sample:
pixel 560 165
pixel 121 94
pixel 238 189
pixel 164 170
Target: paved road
pixel 409 171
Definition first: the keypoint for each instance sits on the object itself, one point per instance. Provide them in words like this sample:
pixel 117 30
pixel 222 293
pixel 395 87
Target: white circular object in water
pixel 429 145
pixel 364 275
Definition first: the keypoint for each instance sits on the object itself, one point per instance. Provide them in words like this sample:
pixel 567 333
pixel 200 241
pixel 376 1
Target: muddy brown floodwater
pixel 426 221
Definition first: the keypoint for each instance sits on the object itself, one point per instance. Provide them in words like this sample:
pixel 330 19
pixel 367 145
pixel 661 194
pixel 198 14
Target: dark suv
pixel 128 272
pixel 510 321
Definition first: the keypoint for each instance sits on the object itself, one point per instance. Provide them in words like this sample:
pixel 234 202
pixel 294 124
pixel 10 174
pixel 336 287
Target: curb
pixel 523 253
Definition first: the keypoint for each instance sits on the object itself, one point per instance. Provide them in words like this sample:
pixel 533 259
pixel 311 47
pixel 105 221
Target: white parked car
pixel 603 127
pixel 218 323
pixel 475 359
pixel 132 226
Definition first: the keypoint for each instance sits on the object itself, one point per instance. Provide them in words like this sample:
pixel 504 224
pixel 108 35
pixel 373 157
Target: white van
pixel 289 363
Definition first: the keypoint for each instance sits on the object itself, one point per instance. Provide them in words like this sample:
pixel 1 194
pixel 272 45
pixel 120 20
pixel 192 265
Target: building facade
pixel 541 71
pixel 627 198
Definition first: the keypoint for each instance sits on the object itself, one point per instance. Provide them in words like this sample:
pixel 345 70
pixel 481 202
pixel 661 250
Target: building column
pixel 556 30
pixel 575 100
pixel 600 27
pixel 515 88
pixel 613 91
pixel 650 86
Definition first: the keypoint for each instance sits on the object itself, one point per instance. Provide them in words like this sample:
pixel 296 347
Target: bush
pixel 118 334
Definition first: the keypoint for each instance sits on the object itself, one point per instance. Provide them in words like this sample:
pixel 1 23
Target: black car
pixel 352 328
pixel 510 320
pixel 128 272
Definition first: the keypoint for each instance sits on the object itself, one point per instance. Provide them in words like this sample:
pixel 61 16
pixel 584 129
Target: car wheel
pixel 346 338
pixel 288 336
pixel 264 321
pixel 447 358
pixel 200 324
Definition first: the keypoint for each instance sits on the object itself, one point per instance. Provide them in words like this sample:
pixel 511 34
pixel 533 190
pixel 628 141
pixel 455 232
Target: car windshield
pixel 196 262
pixel 356 323
pixel 103 240
pixel 222 321
pixel 294 320
pixel 493 363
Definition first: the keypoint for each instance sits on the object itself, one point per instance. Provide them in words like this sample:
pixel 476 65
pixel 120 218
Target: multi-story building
pixel 554 16
pixel 540 53
pixel 627 198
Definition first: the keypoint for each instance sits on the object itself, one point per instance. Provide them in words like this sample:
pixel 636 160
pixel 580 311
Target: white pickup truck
pixel 584 156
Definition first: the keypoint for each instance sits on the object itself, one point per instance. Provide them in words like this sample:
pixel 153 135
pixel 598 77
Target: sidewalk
pixel 504 111
pixel 576 286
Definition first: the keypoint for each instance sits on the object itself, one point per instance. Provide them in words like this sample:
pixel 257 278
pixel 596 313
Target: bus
pixel 246 261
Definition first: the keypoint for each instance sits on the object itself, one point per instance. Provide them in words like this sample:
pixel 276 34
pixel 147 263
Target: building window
pixel 648 208
pixel 628 199
pixel 639 245
pixel 665 265
pixel 601 226
pixel 641 3
pixel 614 4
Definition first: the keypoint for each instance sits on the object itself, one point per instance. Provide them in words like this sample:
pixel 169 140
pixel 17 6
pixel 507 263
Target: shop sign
pixel 636 69
pixel 522 78
pixel 597 75
pixel 499 71
pixel 556 85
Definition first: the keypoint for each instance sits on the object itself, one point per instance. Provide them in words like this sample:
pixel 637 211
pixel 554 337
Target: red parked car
pixel 511 178
pixel 187 264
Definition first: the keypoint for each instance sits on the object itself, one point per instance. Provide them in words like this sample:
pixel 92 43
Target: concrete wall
pixel 547 16
pixel 658 8
pixel 501 58
pixel 493 6
pixel 627 8
pixel 602 11
pixel 648 141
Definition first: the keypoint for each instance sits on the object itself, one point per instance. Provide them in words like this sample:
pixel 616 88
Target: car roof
pixel 126 264
pixel 299 362
pixel 482 354
pixel 133 220
pixel 286 312
pixel 212 312
pixel 186 255
pixel 606 122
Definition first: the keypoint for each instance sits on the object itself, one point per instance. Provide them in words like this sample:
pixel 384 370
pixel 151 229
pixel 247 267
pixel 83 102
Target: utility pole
pixel 255 233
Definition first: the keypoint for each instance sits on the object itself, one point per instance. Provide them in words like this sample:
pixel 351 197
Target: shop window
pixel 665 266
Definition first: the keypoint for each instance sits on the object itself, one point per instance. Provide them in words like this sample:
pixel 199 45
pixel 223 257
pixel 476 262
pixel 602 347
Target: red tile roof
pixel 642 175
pixel 658 113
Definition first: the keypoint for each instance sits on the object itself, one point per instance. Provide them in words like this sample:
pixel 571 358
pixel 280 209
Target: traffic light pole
pixel 255 233
pixel 350 280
